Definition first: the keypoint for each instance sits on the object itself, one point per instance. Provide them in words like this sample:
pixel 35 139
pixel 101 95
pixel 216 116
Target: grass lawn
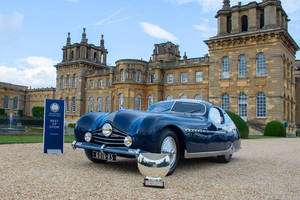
pixel 28 139
pixel 265 137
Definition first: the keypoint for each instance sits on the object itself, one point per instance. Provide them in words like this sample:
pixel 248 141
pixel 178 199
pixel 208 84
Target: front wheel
pixel 169 144
pixel 224 158
pixel 89 155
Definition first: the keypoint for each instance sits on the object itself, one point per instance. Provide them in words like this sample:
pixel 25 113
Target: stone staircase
pixel 255 127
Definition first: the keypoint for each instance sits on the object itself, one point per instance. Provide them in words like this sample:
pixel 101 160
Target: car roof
pixel 189 100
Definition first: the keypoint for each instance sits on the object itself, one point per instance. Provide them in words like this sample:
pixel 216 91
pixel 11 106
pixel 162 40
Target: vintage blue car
pixel 183 128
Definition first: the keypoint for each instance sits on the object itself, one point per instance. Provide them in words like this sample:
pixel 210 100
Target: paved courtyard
pixel 263 169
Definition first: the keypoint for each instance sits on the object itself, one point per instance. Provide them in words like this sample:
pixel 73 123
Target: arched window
pixel 121 101
pixel 169 97
pixel 261 105
pixel 74 81
pixel 138 102
pixel 225 67
pixel 244 23
pixel 150 101
pixel 107 104
pixel 242 66
pixel 138 76
pixel 243 105
pixel 62 82
pixel 73 104
pixel 225 101
pixel 67 104
pixel 183 96
pixel 260 64
pixel 91 104
pixel 99 106
pixel 78 53
pixel 198 97
pixel 16 103
pixel 122 75
pixel 100 83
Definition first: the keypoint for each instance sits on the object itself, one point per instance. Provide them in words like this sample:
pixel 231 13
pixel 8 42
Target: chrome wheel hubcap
pixel 169 146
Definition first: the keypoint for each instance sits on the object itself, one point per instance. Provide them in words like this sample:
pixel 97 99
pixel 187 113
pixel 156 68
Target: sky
pixel 33 32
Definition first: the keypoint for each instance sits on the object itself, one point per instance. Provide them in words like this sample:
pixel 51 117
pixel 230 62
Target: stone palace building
pixel 250 70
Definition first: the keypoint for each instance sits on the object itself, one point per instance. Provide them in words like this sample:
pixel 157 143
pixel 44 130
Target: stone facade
pixel 297 77
pixel 249 70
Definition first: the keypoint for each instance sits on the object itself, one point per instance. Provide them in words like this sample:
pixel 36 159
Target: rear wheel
pixel 169 144
pixel 89 155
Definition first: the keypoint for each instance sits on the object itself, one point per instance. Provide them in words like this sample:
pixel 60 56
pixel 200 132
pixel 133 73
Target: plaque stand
pixel 153 182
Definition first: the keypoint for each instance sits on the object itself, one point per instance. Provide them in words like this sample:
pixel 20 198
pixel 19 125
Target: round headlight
pixel 107 129
pixel 128 141
pixel 88 136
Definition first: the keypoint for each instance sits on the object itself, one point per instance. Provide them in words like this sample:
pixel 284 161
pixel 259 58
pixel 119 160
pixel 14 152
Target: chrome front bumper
pixel 120 151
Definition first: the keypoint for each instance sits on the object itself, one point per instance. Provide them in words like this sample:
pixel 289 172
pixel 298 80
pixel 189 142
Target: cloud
pixel 11 21
pixel 157 32
pixel 34 71
pixel 207 29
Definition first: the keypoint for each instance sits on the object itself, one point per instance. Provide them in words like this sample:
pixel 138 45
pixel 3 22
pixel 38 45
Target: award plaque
pixel 154 166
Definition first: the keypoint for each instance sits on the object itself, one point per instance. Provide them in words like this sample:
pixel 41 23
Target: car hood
pixel 127 121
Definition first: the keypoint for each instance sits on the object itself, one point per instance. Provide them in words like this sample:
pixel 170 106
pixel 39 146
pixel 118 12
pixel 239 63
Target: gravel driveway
pixel 263 169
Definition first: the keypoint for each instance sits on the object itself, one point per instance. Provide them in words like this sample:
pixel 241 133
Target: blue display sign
pixel 54 115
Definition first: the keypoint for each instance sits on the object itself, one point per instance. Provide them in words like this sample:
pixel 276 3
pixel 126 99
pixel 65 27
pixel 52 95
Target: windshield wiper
pixel 196 110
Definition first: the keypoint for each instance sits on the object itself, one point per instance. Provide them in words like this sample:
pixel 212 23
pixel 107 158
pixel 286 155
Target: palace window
pixel 150 101
pixel 199 76
pixel 260 65
pixel 62 82
pixel 91 105
pixel 225 67
pixel 184 77
pixel 225 102
pixel 261 105
pixel 73 104
pixel 92 82
pixel 152 78
pixel 169 97
pixel 74 81
pixel 95 57
pixel 6 102
pixel 262 19
pixel 242 66
pixel 198 97
pixel 72 55
pixel 244 23
pixel 138 102
pixel 16 103
pixel 107 104
pixel 122 75
pixel 243 105
pixel 68 81
pixel 67 104
pixel 121 101
pixel 170 78
pixel 99 104
pixel 138 76
pixel 100 83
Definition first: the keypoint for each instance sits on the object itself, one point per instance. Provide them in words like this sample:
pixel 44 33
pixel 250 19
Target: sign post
pixel 54 115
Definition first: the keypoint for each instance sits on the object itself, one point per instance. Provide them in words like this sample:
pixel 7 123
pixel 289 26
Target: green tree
pixel 38 112
pixel 275 128
pixel 240 124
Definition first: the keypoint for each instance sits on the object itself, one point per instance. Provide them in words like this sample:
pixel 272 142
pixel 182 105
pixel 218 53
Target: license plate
pixel 104 156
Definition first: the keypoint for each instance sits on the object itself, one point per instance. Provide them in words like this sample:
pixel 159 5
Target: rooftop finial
pixel 185 57
pixel 83 39
pixel 226 4
pixel 68 39
pixel 102 41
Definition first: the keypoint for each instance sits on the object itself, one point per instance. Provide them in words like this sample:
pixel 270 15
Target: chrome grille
pixel 115 139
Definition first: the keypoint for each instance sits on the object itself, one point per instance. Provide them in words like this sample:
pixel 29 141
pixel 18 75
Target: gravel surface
pixel 263 169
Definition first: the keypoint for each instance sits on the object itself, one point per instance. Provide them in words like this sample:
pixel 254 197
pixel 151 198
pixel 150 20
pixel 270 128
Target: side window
pixel 216 116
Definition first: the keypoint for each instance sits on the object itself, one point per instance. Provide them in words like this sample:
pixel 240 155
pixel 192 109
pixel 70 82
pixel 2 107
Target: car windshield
pixel 161 107
pixel 189 107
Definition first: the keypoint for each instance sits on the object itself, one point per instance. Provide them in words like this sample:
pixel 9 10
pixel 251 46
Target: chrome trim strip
pixel 209 153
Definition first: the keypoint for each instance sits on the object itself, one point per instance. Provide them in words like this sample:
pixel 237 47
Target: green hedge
pixel 2 112
pixel 71 125
pixel 240 124
pixel 38 112
pixel 298 132
pixel 275 128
